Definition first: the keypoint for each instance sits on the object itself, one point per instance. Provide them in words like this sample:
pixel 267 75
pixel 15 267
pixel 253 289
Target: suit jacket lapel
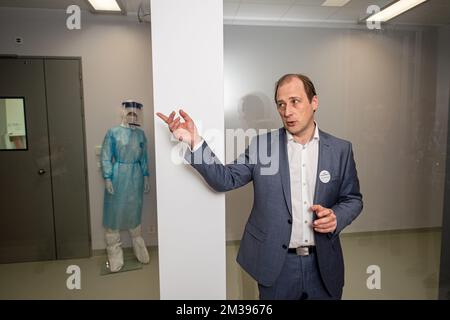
pixel 284 169
pixel 322 164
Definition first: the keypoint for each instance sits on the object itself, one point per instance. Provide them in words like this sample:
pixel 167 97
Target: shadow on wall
pixel 254 111
pixel 257 111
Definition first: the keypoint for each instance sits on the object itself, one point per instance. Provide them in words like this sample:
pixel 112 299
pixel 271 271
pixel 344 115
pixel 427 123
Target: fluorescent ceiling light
pixel 335 3
pixel 105 5
pixel 394 10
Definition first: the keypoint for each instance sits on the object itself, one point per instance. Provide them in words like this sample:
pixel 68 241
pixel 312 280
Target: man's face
pixel 294 107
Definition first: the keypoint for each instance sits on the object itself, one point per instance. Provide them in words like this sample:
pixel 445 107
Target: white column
pixel 187 50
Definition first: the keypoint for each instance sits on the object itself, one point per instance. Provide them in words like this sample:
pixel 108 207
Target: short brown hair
pixel 307 83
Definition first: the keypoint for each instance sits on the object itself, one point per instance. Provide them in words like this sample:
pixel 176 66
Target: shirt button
pixel 306 240
pixel 304 202
pixel 306 221
pixel 303 165
pixel 284 246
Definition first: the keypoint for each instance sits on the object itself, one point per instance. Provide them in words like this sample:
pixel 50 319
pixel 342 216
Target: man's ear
pixel 315 102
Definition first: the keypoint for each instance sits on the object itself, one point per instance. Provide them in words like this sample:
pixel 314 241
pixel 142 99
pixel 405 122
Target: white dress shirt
pixel 303 161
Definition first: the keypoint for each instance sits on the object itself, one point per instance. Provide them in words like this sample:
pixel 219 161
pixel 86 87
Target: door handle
pixel 41 171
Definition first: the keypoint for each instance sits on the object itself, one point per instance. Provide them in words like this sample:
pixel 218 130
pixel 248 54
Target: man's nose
pixel 289 110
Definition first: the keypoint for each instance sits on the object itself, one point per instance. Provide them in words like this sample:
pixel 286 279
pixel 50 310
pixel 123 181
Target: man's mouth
pixel 291 123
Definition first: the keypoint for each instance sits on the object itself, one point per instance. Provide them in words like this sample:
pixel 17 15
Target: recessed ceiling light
pixel 105 5
pixel 335 3
pixel 394 10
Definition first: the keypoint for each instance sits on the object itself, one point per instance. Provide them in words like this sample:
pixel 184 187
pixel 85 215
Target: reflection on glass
pixel 369 93
pixel 12 124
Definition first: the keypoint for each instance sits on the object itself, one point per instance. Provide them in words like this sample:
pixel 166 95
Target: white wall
pixel 187 43
pixel 375 88
pixel 116 62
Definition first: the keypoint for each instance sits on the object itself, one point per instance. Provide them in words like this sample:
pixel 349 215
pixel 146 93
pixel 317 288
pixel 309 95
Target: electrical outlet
pixel 98 150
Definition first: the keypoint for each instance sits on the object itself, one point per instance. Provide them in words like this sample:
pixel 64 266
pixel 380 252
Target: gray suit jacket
pixel 267 233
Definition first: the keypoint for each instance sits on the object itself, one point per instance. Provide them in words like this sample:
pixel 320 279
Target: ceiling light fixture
pixel 111 6
pixel 335 3
pixel 394 9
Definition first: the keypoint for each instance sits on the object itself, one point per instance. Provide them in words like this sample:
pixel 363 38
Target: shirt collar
pixel 290 137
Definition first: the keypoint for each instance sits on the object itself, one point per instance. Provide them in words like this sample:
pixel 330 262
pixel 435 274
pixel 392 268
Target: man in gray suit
pixel 303 197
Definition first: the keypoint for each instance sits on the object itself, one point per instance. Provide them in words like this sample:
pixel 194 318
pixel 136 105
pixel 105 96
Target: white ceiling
pixel 291 11
pixel 130 5
pixel 432 12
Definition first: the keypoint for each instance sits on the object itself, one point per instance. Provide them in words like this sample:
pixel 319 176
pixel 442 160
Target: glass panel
pixel 13 135
pixel 384 90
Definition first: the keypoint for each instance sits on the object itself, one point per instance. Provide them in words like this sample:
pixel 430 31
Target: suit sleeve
pixel 350 203
pixel 222 177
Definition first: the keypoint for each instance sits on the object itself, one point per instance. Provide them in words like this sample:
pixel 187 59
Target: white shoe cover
pixel 114 250
pixel 139 248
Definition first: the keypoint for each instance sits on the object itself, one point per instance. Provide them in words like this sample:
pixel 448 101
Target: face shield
pixel 132 114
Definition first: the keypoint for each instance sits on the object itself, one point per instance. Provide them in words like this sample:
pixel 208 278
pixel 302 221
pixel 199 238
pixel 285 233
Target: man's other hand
pixel 326 219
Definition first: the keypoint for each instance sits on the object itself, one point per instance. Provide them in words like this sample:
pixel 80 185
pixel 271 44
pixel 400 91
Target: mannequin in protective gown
pixel 125 170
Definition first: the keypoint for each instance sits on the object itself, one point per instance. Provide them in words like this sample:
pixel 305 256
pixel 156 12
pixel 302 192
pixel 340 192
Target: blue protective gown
pixel 124 161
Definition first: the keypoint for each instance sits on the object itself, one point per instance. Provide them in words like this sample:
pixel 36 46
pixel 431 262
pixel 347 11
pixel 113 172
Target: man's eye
pixel 296 100
pixel 280 105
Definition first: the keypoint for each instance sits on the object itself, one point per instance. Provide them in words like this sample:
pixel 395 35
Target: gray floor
pixel 408 260
pixel 47 280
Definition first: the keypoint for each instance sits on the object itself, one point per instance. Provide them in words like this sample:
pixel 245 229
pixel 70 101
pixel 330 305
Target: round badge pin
pixel 324 176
